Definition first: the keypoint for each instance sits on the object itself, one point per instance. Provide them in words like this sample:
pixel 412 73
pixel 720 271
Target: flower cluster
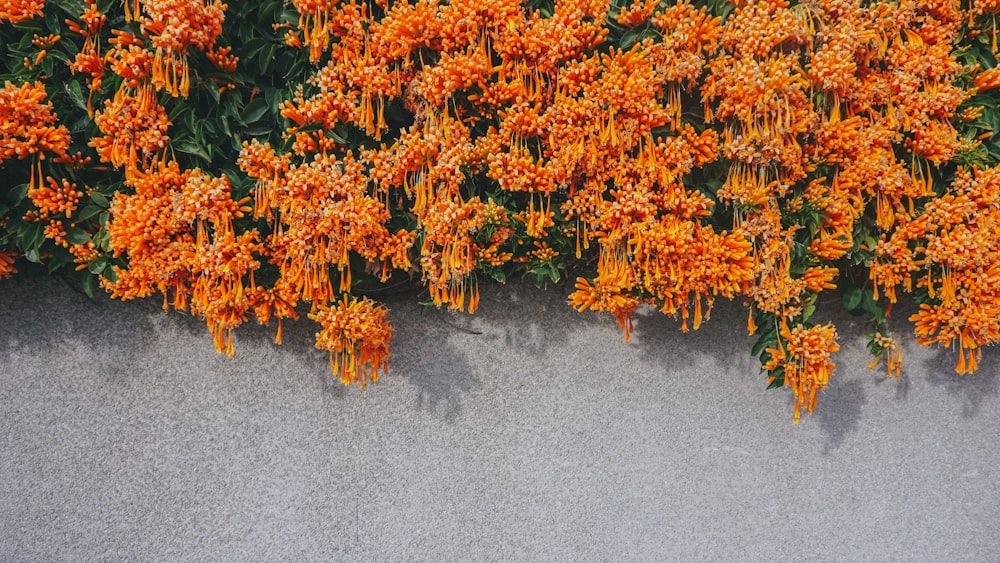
pixel 15 11
pixel 28 126
pixel 134 130
pixel 802 359
pixel 951 251
pixel 177 232
pixel 823 114
pixel 174 28
pixel 357 334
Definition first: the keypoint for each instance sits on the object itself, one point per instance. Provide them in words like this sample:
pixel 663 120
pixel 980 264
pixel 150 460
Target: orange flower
pixel 889 349
pixel 605 295
pixel 951 249
pixel 15 11
pixel 988 79
pixel 936 142
pixel 27 124
pixel 177 232
pixel 134 127
pixel 88 60
pixel 7 264
pixel 802 355
pixel 637 13
pixel 820 278
pixel 174 27
pixel 357 335
pixel 55 198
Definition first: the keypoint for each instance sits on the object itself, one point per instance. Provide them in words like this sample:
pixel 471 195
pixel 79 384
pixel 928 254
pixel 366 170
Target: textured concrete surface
pixel 527 431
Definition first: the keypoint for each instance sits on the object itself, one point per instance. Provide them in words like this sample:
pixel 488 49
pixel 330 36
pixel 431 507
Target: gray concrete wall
pixel 527 431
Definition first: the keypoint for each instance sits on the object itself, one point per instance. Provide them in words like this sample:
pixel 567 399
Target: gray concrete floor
pixel 527 431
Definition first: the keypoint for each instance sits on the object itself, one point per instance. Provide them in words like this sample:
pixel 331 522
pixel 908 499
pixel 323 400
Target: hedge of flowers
pixel 263 159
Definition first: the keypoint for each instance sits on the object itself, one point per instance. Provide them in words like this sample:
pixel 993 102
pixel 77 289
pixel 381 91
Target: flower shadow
pixel 935 365
pixel 973 388
pixel 724 338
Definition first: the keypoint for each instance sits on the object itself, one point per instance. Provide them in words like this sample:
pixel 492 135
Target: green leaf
pixel 768 337
pixel 265 56
pixel 57 261
pixel 852 298
pixel 868 302
pixel 71 7
pixel 255 110
pixel 498 274
pixel 32 256
pixel 100 199
pixel 76 94
pixel 193 149
pixel 98 265
pixel 88 286
pixel 16 194
pixel 31 237
pixel 779 379
pixel 260 131
pixel 274 98
pixel 808 311
pixel 213 91
pixel 88 212
pixel 109 274
pixel 77 236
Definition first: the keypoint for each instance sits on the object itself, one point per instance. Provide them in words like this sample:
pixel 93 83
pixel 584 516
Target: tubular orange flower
pixel 27 124
pixel 357 335
pixel 892 354
pixel 605 295
pixel 55 198
pixel 7 264
pixel 89 60
pixel 988 79
pixel 820 278
pixel 637 13
pixel 175 27
pixel 803 356
pixel 134 127
pixel 15 11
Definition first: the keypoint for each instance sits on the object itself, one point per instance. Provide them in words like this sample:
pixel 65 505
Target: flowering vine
pixel 272 160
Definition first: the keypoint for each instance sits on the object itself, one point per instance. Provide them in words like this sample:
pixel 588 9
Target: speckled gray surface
pixel 527 431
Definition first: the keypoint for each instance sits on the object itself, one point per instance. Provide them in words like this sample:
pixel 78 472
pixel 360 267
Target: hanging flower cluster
pixel 951 251
pixel 320 215
pixel 177 231
pixel 357 334
pixel 802 359
pixel 174 226
pixel 29 131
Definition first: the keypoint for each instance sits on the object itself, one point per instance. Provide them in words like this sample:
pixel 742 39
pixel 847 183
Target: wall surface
pixel 525 431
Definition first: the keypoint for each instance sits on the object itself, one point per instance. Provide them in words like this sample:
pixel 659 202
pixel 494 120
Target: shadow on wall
pixel 423 357
pixel 432 344
pixel 938 368
pixel 935 365
pixel 719 336
pixel 724 338
pixel 115 334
